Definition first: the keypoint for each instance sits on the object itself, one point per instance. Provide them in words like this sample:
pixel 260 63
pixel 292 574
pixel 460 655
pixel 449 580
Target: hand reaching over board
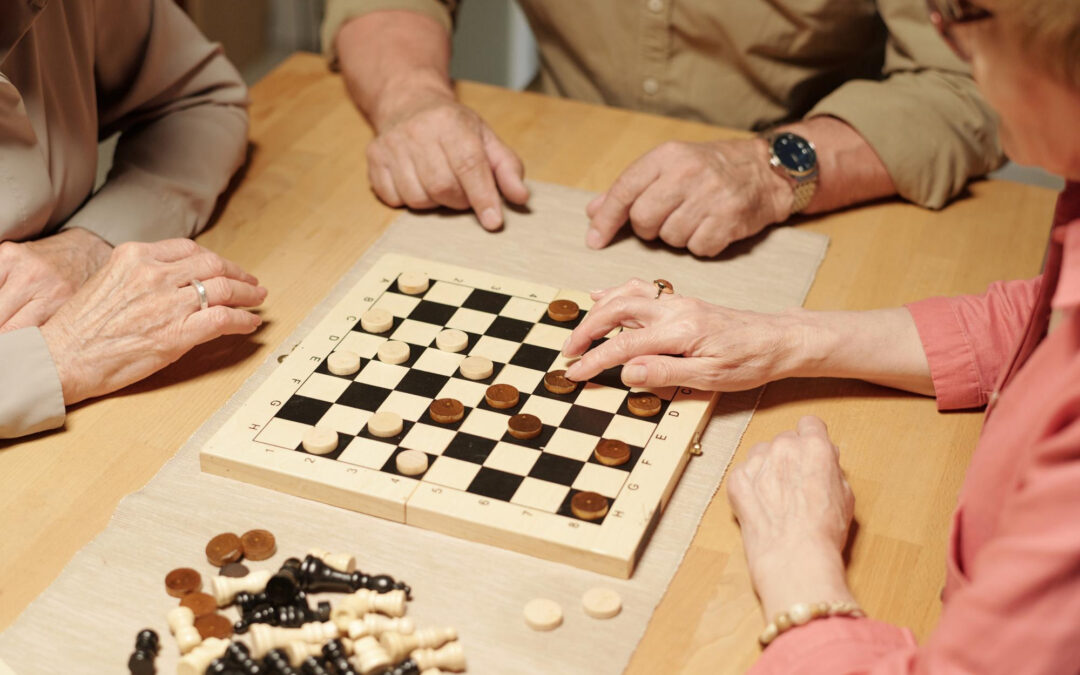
pixel 681 341
pixel 140 313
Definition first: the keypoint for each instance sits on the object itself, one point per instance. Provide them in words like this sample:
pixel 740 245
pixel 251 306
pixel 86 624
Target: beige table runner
pixel 86 621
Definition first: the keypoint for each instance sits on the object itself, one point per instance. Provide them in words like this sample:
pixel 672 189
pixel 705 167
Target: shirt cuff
pixel 338 12
pixel 834 645
pixel 941 143
pixel 31 397
pixel 953 365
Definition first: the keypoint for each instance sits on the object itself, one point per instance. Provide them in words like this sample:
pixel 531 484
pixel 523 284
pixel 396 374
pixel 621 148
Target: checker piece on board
pixel 319 440
pixel 589 505
pixel 525 426
pixel 446 410
pixel 556 382
pixel 476 368
pixel 612 452
pixel 502 396
pixel 643 405
pixel 394 352
pixel 413 283
pixel 343 362
pixel 452 340
pixel 376 321
pixel 385 424
pixel 563 310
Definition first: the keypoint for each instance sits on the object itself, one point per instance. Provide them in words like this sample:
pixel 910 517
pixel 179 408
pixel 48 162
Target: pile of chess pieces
pixel 365 632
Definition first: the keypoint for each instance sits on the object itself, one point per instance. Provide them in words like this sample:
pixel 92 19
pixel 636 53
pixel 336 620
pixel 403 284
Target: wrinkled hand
pixel 139 313
pixel 36 277
pixel 682 341
pixel 795 508
pixel 436 152
pixel 698 196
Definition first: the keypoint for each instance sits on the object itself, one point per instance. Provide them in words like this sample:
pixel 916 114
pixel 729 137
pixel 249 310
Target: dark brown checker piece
pixel 525 426
pixel 182 581
pixel 200 604
pixel 556 382
pixel 502 396
pixel 446 410
pixel 258 544
pixel 235 570
pixel 224 549
pixel 563 310
pixel 214 625
pixel 643 405
pixel 589 505
pixel 612 452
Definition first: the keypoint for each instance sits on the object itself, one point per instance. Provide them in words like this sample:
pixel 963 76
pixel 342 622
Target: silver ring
pixel 201 290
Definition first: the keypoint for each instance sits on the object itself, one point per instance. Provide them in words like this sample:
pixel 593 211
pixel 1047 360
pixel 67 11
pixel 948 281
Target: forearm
pixel 849 171
pixel 391 58
pixel 880 346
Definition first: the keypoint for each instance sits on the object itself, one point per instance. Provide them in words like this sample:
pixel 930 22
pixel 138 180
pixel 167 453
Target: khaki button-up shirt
pixel 74 71
pixel 753 64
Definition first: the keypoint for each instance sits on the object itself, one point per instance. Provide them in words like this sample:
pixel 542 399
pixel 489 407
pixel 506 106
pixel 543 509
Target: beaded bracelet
pixel 805 612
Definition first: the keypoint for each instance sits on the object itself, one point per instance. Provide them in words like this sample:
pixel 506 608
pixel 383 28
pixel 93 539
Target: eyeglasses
pixel 945 14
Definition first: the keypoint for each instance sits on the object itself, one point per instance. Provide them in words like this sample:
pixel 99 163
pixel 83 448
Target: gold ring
pixel 663 286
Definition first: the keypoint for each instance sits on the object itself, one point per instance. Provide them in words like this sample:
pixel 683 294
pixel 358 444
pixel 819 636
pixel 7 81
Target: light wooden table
pixel 304 213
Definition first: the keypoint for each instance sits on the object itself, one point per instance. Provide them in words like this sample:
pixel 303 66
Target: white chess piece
pixel 377 624
pixel 224 589
pixel 369 656
pixel 450 657
pixel 264 637
pixel 342 562
pixel 365 600
pixel 182 624
pixel 398 646
pixel 196 662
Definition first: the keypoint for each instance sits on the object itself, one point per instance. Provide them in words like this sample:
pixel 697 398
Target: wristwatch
pixel 795 158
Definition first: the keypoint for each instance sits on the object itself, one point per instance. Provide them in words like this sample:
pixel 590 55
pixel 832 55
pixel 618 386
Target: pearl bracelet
pixel 805 612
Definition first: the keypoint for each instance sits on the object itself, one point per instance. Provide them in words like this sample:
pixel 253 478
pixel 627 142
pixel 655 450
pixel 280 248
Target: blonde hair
pixel 1049 28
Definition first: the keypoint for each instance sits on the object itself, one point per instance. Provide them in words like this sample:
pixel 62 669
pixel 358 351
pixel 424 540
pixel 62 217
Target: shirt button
pixel 655 6
pixel 650 85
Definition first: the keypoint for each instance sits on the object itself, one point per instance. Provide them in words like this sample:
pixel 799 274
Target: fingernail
pixel 565 342
pixel 572 370
pixel 634 374
pixel 593 239
pixel 490 219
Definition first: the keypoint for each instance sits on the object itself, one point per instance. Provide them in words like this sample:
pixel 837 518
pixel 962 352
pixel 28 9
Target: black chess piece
pixel 141 661
pixel 406 667
pixel 316 576
pixel 239 654
pixel 249 601
pixel 223 666
pixel 334 651
pixel 311 666
pixel 282 588
pixel 276 662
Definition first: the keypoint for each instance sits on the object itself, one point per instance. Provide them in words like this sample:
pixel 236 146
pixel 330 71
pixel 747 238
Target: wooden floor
pixel 303 213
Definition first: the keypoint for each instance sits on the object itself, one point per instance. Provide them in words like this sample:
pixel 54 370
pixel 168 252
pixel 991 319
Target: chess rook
pixel 449 657
pixel 224 589
pixel 399 646
pixel 182 625
pixel 198 660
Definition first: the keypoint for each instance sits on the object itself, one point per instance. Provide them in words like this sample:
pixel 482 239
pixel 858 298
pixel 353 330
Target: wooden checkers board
pixel 482 483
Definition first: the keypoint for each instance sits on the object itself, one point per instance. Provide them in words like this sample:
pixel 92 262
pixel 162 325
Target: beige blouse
pixel 75 71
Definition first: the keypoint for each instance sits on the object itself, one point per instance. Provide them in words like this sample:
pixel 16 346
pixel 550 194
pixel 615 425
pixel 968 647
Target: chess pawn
pixel 311 666
pixel 141 661
pixel 225 589
pixel 391 603
pixel 239 654
pixel 198 660
pixel 377 624
pixel 398 646
pixel 449 657
pixel 182 624
pixel 342 562
pixel 369 656
pixel 264 638
pixel 299 651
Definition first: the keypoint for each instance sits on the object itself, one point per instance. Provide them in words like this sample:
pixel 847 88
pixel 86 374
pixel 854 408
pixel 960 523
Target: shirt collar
pixel 1066 232
pixel 15 20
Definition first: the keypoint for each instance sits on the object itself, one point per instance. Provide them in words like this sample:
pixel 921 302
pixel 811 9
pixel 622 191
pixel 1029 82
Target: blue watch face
pixel 794 153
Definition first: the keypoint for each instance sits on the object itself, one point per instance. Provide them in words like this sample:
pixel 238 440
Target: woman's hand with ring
pixel 676 340
pixel 139 313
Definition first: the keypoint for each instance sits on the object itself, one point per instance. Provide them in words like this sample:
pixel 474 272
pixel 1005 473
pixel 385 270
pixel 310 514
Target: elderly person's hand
pixel 36 277
pixel 685 341
pixel 698 196
pixel 140 313
pixel 794 507
pixel 432 151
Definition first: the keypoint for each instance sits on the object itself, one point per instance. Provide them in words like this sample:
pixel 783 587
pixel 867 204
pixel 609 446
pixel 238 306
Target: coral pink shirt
pixel 1012 592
